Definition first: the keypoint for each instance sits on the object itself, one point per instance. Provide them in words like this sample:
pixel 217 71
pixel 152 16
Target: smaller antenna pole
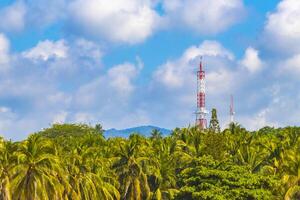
pixel 231 110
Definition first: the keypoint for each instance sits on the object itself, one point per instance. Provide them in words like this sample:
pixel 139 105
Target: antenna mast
pixel 231 110
pixel 201 111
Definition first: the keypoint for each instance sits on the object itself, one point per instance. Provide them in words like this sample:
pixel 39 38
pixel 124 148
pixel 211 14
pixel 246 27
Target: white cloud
pixel 204 16
pixel 170 75
pixel 136 118
pixel 282 30
pixel 46 50
pixel 257 120
pixel 280 110
pixel 122 21
pixel 120 77
pixel 119 20
pixel 82 117
pixel 13 17
pixel 221 81
pixel 108 99
pixel 4 51
pixel 41 87
pixel 87 49
pixel 208 48
pixel 60 117
pixel 42 13
pixel 112 88
pixel 59 98
pixel 251 60
pixel 290 66
pixel 176 74
pixel 7 118
pixel 21 15
pixel 4 109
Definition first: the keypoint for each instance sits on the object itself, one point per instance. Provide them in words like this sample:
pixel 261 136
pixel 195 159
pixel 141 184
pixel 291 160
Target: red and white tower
pixel 231 110
pixel 201 111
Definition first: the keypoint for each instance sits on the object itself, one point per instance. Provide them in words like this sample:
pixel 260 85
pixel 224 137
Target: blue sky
pixel 132 62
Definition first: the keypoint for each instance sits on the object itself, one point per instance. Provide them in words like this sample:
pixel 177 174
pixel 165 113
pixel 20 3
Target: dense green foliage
pixel 71 161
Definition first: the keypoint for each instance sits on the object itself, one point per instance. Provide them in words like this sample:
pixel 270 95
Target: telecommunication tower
pixel 201 111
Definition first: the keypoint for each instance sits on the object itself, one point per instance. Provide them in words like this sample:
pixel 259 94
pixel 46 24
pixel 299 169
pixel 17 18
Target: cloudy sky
pixel 124 63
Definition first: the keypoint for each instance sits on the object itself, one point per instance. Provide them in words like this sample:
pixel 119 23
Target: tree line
pixel 75 161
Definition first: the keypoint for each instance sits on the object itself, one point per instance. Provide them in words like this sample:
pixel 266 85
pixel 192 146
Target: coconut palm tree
pixel 129 168
pixel 291 174
pixel 156 135
pixel 88 175
pixel 36 170
pixel 162 179
pixel 6 163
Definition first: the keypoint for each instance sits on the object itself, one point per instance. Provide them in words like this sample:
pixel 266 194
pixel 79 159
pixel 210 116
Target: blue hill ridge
pixel 143 130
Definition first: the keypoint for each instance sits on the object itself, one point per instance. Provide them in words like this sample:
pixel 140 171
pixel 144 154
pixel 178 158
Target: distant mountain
pixel 143 130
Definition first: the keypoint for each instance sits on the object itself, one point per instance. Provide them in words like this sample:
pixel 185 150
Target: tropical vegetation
pixel 75 161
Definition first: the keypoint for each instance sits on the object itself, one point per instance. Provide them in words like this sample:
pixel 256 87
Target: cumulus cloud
pixel 281 109
pixel 256 120
pixel 119 21
pixel 282 29
pixel 110 98
pixel 86 49
pixel 290 66
pixel 204 16
pixel 120 77
pixel 117 82
pixel 4 109
pixel 41 82
pixel 175 74
pixel 60 117
pixel 43 13
pixel 251 60
pixel 4 53
pixel 13 17
pixel 276 98
pixel 46 50
pixel 32 14
pixel 208 48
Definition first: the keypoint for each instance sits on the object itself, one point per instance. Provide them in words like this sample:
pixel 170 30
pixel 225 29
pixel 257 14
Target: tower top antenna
pixel 201 67
pixel 201 111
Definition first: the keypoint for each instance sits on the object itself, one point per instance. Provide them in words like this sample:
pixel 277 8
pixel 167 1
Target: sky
pixel 125 63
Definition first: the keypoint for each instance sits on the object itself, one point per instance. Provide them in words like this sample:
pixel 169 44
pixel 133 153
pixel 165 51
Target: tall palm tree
pixel 35 173
pixel 162 179
pixel 6 163
pixel 156 135
pixel 291 174
pixel 129 168
pixel 88 175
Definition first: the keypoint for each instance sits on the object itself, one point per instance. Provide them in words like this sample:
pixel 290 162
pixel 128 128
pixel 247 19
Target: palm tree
pixel 35 173
pixel 6 163
pixel 156 135
pixel 88 174
pixel 291 174
pixel 129 168
pixel 162 179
